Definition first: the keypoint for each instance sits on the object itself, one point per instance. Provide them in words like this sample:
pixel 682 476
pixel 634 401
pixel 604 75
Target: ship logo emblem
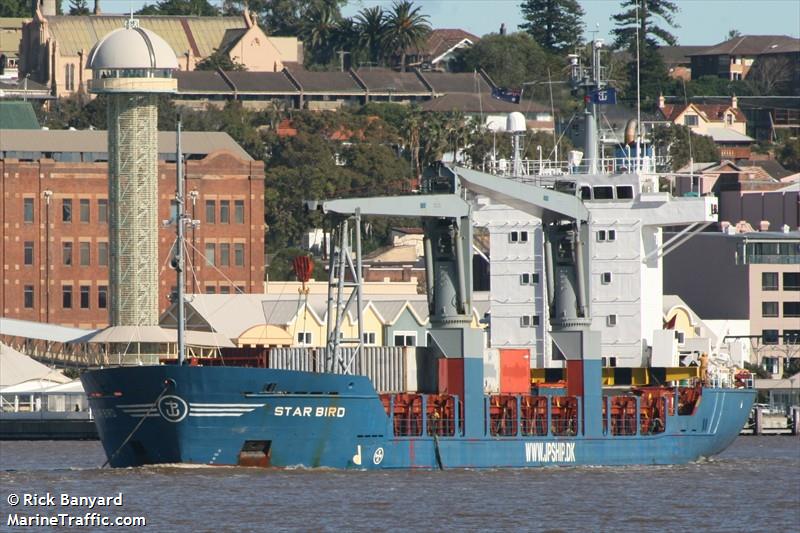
pixel 173 409
pixel 377 457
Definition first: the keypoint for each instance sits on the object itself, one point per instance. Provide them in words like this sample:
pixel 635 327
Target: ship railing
pixel 545 172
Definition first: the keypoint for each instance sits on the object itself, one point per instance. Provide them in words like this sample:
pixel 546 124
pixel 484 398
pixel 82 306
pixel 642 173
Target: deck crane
pixel 447 221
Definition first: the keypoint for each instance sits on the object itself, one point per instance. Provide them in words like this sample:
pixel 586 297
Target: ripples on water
pixel 753 486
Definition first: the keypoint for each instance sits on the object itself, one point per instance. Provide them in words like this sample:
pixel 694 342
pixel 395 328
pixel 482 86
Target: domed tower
pixel 132 66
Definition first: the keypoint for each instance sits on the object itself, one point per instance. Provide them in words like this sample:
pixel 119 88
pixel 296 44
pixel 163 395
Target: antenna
pixel 177 260
pixel 638 96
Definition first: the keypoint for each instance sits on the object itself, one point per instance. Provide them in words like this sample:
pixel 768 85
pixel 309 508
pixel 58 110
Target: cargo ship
pixel 209 412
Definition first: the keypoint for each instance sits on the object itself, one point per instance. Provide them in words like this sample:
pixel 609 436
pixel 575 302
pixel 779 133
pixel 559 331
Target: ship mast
pixel 178 259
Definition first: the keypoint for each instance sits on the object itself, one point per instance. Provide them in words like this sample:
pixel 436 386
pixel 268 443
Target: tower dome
pixel 132 60
pixel 132 47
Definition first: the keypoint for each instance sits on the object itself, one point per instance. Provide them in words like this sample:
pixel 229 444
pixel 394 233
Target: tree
pixel 371 24
pixel 789 154
pixel 510 60
pixel 644 11
pixel 202 8
pixel 219 61
pixel 555 24
pixel 318 32
pixel 78 7
pixel 15 8
pixel 732 34
pixel 281 17
pixel 405 27
pixel 683 144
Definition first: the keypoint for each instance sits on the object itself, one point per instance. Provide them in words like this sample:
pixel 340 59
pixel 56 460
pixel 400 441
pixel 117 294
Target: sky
pixel 701 22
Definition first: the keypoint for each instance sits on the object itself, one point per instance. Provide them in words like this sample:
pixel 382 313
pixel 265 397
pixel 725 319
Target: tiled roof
pixel 18 116
pixel 752 45
pixel 262 82
pixel 201 35
pixel 311 81
pixel 678 55
pixel 770 166
pixel 390 81
pixel 441 40
pixel 462 82
pixel 197 81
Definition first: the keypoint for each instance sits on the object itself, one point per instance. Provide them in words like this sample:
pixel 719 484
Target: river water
pixel 752 486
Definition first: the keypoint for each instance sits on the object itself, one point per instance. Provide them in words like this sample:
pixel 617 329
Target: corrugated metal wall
pixel 389 367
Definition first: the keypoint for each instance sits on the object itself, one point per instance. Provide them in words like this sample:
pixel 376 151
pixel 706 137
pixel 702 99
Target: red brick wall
pixel 219 176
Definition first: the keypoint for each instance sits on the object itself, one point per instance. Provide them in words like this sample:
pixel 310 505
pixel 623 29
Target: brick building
pixel 54 212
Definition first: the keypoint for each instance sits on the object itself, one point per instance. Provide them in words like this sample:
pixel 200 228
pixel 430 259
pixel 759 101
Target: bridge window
pixel 625 192
pixel 611 320
pixel 604 192
pixel 605 278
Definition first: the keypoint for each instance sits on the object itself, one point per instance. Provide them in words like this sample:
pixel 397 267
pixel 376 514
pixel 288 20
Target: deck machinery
pixel 448 249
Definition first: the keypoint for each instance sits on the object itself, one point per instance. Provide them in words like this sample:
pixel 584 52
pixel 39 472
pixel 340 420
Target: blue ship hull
pixel 282 418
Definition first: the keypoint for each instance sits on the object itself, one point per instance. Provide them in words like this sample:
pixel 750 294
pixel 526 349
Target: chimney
pixel 734 102
pixel 96 10
pixel 764 225
pixel 661 101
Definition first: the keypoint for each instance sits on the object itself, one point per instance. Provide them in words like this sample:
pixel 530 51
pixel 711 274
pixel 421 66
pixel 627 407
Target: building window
pixel 769 336
pixel 304 338
pixel 211 211
pixel 210 289
pixel 518 236
pixel 791 309
pixel 769 281
pixel 66 296
pixel 85 295
pixel 791 281
pixel 102 211
pixel 224 253
pixel 729 119
pixel 791 336
pixel 211 250
pixel 27 210
pixel 238 254
pixel 224 212
pixel 690 120
pixel 680 336
pixel 85 253
pixel 238 211
pixel 66 210
pixel 611 320
pixel 102 297
pixel 66 253
pixel 769 309
pixel 28 296
pixel 225 289
pixel 28 253
pixel 605 278
pixel 102 253
pixel 83 204
pixel 368 338
pixel 405 338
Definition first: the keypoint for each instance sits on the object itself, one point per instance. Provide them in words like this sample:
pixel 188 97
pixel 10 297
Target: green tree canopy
pixel 15 8
pixel 219 60
pixel 78 7
pixel 371 23
pixel 555 24
pixel 682 145
pixel 645 12
pixel 180 7
pixel 281 17
pixel 510 60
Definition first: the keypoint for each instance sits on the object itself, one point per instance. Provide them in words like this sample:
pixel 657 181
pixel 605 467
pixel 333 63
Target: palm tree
pixel 345 39
pixel 318 32
pixel 371 23
pixel 405 27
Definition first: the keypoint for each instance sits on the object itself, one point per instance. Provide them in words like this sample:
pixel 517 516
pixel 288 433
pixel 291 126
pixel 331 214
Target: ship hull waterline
pixel 282 418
